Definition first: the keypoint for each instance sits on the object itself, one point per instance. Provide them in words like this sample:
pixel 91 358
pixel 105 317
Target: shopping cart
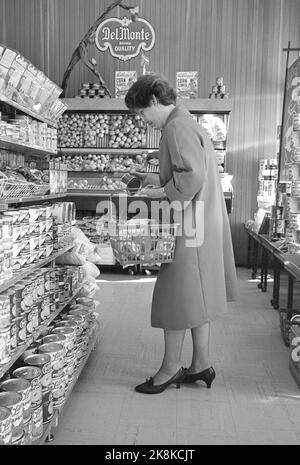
pixel 142 242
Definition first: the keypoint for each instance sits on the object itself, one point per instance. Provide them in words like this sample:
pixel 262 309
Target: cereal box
pixel 187 84
pixel 123 81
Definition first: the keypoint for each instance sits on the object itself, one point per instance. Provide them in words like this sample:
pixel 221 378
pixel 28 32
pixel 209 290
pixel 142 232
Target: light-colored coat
pixel 195 287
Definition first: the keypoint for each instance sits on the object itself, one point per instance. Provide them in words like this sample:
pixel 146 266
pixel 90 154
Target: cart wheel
pixel 131 272
pixel 259 285
pixel 284 328
pixel 50 438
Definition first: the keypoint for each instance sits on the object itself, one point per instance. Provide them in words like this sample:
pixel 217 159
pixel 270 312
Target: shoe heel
pixel 177 385
pixel 208 384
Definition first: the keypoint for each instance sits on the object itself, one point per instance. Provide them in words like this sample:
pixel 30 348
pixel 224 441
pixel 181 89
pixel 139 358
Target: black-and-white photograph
pixel 149 225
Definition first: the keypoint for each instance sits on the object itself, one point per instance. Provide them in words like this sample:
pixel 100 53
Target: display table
pixel 273 258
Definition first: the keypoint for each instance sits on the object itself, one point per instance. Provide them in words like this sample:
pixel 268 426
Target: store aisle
pixel 254 399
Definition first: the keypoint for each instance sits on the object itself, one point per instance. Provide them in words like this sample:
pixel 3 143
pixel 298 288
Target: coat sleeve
pixel 187 153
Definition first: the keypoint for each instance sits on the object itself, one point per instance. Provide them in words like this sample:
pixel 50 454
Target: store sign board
pixel 125 38
pixel 290 149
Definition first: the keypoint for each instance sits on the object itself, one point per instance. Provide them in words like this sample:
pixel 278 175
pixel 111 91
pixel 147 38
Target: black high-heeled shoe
pixel 149 388
pixel 207 376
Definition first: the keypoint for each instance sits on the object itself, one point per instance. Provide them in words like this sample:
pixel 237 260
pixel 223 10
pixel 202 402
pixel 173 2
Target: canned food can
pixel 71 364
pixel 29 321
pixel 13 335
pixel 48 225
pixel 70 335
pixel 57 354
pixel 32 349
pixel 59 338
pixel 37 422
pixel 40 284
pixel 42 225
pixel 24 230
pixel 42 253
pixel 22 387
pixel 14 303
pixel 17 249
pixel 21 329
pixel 13 401
pixel 42 361
pixel 34 214
pixel 75 320
pixel 5 426
pixel 83 314
pixel 25 247
pixel 24 215
pixel 4 312
pixel 59 391
pixel 28 432
pixel 34 242
pixel 48 408
pixel 33 375
pixel 20 441
pixel 16 232
pixel 45 307
pixel 34 256
pixel 49 250
pixel 5 346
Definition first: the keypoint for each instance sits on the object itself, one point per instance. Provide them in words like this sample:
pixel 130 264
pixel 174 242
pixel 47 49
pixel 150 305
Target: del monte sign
pixel 125 38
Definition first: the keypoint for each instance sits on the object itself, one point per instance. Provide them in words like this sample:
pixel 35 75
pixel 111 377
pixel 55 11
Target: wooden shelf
pixel 112 105
pixel 23 148
pixel 35 335
pixel 106 150
pixel 57 412
pixel 24 273
pixel 27 111
pixel 4 203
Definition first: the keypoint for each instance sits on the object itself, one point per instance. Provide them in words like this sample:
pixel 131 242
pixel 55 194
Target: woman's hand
pixel 147 178
pixel 153 192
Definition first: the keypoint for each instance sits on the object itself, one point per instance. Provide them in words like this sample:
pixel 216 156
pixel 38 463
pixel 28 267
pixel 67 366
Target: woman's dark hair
pixel 140 93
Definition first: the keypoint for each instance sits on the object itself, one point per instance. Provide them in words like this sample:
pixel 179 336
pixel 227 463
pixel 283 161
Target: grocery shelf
pixel 36 334
pixel 24 273
pixel 54 421
pixel 113 105
pixel 92 193
pixel 106 150
pixel 27 111
pixel 4 203
pixel 23 148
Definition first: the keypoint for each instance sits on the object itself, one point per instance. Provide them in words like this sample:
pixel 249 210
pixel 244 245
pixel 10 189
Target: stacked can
pixel 43 362
pixel 13 401
pixel 69 334
pixel 22 387
pixel 5 350
pixel 57 356
pixel 7 247
pixel 5 426
pixel 34 376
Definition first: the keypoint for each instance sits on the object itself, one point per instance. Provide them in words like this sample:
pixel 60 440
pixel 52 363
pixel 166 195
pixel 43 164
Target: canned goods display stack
pixel 38 384
pixel 45 334
pixel 27 306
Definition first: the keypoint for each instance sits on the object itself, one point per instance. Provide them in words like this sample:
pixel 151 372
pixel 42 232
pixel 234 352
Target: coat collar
pixel 179 110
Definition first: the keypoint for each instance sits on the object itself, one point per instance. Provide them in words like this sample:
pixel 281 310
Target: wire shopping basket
pixel 143 242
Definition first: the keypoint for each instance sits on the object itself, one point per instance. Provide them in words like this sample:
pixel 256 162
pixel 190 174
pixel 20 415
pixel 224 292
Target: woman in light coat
pixel 202 277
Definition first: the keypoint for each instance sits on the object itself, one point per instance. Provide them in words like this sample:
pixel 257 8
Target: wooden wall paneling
pixel 241 40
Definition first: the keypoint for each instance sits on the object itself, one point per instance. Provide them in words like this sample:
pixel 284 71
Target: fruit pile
pixel 106 183
pixel 105 162
pixel 101 130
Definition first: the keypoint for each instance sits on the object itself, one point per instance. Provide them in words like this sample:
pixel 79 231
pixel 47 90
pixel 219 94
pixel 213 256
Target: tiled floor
pixel 254 399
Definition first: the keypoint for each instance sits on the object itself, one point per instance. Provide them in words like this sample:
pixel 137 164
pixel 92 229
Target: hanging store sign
pixel 125 38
